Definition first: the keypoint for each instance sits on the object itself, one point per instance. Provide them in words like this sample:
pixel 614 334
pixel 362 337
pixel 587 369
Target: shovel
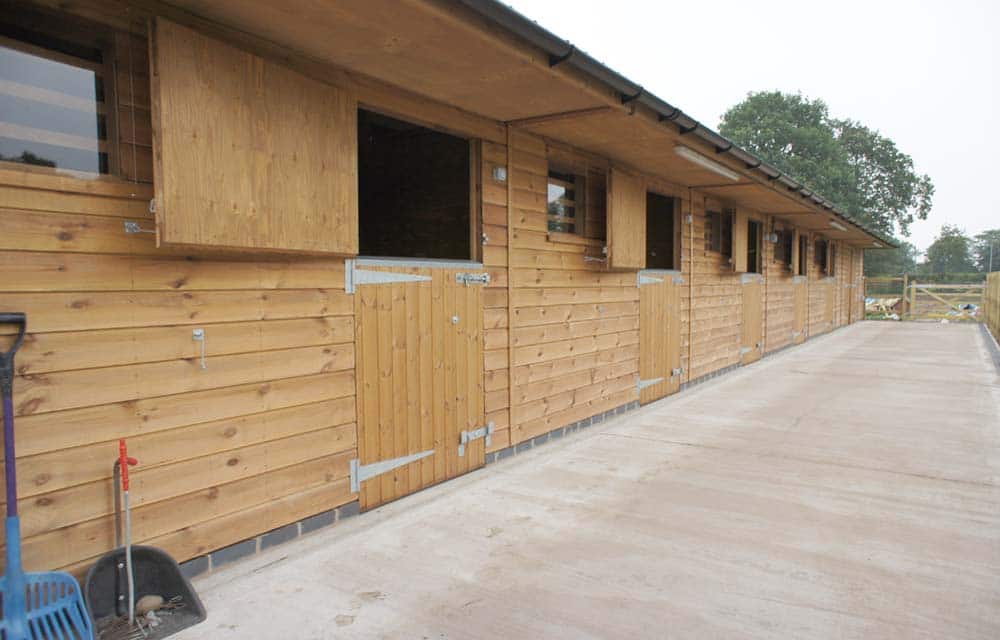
pixel 36 606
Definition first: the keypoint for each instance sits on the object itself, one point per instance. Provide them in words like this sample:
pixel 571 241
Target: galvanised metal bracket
pixel 747 278
pixel 472 278
pixel 469 436
pixel 642 384
pixel 354 277
pixel 360 472
pixel 642 279
pixel 679 371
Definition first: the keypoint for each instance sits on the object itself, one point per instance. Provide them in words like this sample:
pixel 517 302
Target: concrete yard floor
pixel 849 488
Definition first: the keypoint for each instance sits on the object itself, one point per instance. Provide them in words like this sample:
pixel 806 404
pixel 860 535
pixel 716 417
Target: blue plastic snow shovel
pixel 36 606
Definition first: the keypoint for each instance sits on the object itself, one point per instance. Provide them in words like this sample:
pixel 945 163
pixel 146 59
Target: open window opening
pixel 803 266
pixel 820 256
pixel 719 232
pixel 662 249
pixel 754 237
pixel 415 191
pixel 576 201
pixel 783 248
pixel 56 80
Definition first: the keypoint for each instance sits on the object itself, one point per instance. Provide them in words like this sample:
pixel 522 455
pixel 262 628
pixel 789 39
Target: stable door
pixel 752 343
pixel 419 367
pixel 659 334
pixel 800 288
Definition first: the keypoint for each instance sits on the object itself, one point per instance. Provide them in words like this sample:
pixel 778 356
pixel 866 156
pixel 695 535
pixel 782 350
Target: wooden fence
pixel 991 304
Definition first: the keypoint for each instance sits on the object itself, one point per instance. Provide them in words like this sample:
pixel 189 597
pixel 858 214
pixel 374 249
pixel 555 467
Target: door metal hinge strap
pixel 361 472
pixel 482 432
pixel 472 278
pixel 354 277
pixel 642 384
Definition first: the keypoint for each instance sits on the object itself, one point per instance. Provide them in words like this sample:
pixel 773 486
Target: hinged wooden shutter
pixel 247 153
pixel 741 227
pixel 626 221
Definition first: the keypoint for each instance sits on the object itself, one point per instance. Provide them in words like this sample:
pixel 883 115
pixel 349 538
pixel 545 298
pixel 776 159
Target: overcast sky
pixel 922 73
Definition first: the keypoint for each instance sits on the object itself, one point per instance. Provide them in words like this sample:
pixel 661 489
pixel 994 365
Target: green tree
pixel 891 262
pixel 857 168
pixel 951 252
pixel 981 245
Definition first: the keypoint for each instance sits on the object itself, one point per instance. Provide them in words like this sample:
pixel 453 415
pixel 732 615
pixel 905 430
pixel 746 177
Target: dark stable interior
pixel 659 232
pixel 413 190
pixel 753 247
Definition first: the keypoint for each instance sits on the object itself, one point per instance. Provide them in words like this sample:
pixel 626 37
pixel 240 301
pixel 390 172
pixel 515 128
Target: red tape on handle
pixel 124 461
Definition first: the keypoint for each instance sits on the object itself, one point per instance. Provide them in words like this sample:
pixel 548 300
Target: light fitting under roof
pixel 693 156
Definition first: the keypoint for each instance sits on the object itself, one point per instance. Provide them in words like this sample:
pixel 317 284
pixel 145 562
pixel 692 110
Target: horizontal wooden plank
pixel 98 310
pixel 91 462
pixel 47 271
pixel 41 393
pixel 535 373
pixel 31 180
pixel 221 502
pixel 556 314
pixel 132 208
pixel 544 388
pixel 546 296
pixel 567 278
pixel 570 330
pixel 527 430
pixel 85 502
pixel 75 427
pixel 63 351
pixel 553 404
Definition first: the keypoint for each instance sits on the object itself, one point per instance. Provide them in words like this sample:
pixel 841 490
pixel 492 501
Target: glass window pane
pixel 51 112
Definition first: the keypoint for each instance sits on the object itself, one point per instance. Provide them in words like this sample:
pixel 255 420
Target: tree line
pixel 863 172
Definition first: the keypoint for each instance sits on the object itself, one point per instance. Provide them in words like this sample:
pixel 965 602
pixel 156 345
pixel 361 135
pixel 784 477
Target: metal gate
pixel 419 368
pixel 659 334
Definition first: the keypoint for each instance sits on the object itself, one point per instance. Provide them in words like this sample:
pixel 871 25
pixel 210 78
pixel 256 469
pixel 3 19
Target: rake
pixel 36 606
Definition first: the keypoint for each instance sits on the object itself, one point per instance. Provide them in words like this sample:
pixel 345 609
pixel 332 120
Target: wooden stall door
pixel 752 346
pixel 659 335
pixel 419 365
pixel 801 289
pixel 850 288
pixel 830 303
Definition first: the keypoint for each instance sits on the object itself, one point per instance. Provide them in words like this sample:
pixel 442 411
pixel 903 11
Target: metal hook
pixel 199 335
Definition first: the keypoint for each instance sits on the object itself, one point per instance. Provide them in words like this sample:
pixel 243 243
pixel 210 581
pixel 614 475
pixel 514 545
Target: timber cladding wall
pixel 779 301
pixel 261 437
pixel 575 328
pixel 717 300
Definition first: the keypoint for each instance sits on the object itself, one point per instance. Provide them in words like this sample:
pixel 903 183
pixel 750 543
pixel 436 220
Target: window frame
pixel 85 33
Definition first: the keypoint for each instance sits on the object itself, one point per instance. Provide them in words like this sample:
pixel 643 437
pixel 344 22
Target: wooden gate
pixel 659 334
pixel 951 302
pixel 751 345
pixel 800 286
pixel 419 366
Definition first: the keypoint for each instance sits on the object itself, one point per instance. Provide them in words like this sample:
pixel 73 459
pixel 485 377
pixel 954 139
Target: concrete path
pixel 849 488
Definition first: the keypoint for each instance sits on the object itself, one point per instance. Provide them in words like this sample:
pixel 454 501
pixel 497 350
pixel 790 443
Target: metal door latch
pixel 469 436
pixel 133 227
pixel 679 371
pixel 472 278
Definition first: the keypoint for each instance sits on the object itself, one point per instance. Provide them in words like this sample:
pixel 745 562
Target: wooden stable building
pixel 304 254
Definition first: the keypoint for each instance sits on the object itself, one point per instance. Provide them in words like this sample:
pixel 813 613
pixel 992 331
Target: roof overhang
pixel 486 59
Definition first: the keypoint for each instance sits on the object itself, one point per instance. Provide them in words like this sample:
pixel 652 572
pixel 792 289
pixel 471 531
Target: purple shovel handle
pixel 7 389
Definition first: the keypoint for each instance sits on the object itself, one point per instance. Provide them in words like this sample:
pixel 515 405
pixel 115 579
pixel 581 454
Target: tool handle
pixel 124 462
pixel 7 393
